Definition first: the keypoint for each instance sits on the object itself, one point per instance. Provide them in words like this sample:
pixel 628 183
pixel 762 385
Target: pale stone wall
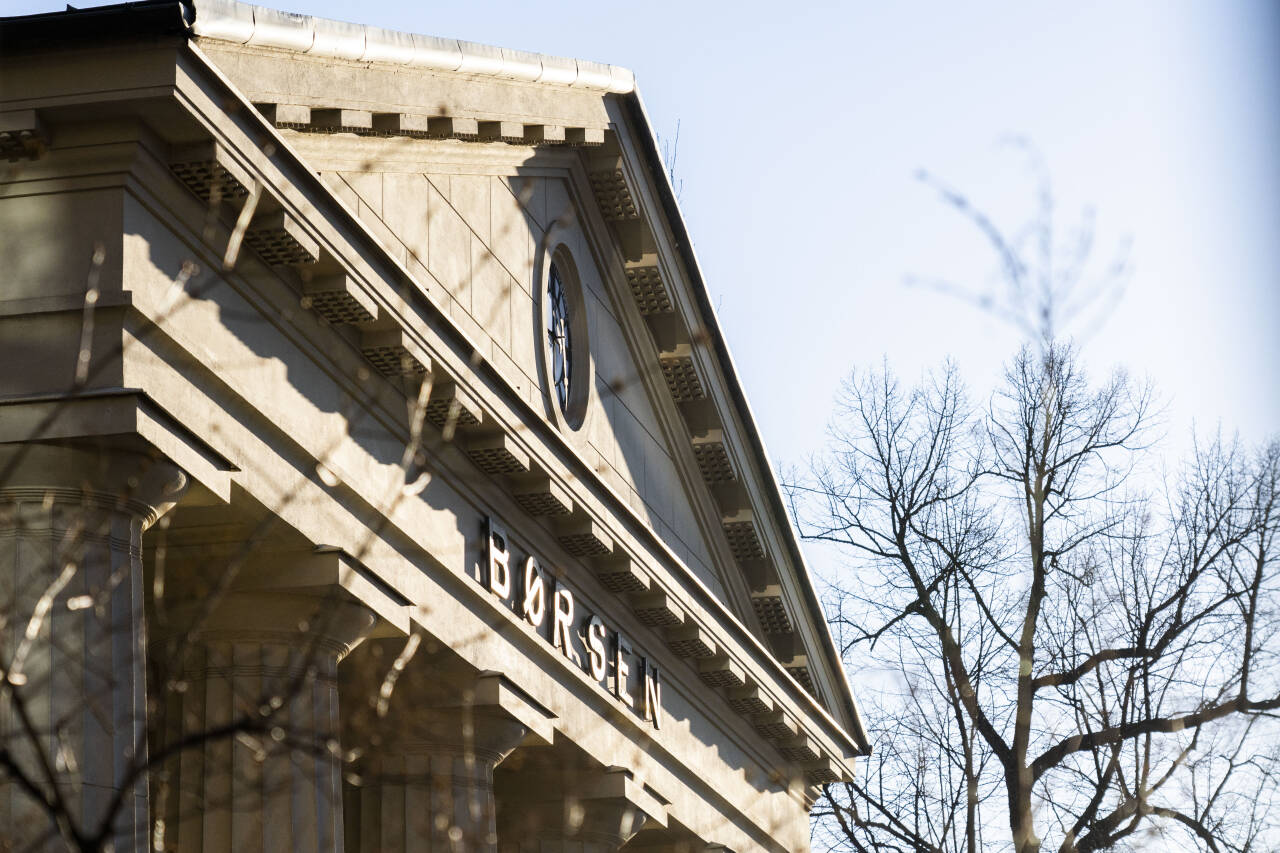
pixel 471 241
pixel 41 277
pixel 262 393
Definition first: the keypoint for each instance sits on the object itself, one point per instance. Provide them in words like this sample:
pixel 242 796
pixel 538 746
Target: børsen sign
pixel 535 595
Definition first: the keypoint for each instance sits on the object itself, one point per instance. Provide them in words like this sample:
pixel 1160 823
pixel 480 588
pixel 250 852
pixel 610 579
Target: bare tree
pixel 1064 649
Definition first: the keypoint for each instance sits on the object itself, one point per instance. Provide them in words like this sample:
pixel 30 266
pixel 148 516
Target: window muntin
pixel 559 338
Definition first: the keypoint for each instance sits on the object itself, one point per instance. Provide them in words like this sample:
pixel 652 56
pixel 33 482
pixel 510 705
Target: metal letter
pixel 596 656
pixel 621 668
pixel 499 561
pixel 562 622
pixel 534 604
pixel 652 695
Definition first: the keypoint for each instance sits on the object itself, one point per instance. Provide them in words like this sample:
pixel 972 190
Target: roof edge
pixel 140 18
pixel 248 24
pixel 639 115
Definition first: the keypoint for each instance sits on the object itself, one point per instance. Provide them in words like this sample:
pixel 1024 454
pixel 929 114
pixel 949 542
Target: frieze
pixel 532 591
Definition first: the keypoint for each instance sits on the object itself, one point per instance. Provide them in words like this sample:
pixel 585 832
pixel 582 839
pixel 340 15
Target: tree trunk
pixel 1025 839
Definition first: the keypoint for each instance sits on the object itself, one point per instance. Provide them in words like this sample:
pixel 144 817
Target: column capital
pixel 435 699
pixel 488 734
pixel 332 621
pixel 600 825
pixel 600 809
pixel 101 478
pixel 430 745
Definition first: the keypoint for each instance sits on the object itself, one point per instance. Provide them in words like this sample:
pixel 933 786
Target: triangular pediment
pixel 473 240
pixel 474 184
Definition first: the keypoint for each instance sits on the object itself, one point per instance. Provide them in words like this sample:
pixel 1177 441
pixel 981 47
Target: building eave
pixel 715 337
pixel 99 24
pixel 242 23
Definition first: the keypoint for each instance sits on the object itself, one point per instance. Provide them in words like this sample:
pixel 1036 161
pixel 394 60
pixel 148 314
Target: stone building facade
pixel 373 472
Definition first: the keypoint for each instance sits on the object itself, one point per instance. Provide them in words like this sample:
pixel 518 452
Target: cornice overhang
pixel 649 150
pixel 97 25
pixel 243 23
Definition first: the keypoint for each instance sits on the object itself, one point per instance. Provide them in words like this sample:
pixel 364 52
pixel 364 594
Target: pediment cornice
pixel 499 445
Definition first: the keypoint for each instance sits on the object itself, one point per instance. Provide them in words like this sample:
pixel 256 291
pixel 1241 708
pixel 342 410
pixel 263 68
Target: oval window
pixel 559 338
pixel 564 341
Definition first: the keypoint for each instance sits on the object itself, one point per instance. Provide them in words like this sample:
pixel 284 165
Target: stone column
pixel 427 784
pixel 73 693
pixel 257 696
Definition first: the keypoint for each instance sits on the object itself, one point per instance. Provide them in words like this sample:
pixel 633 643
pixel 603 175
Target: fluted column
pixel 258 700
pixel 73 692
pixel 427 784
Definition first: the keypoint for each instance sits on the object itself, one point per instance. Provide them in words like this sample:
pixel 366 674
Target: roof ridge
pixel 245 23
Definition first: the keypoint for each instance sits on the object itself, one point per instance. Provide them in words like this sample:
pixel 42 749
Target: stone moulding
pixel 332 119
pixel 243 23
pixel 22 135
pixel 208 169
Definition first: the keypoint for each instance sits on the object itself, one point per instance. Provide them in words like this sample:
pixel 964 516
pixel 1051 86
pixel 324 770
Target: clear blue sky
pixel 802 126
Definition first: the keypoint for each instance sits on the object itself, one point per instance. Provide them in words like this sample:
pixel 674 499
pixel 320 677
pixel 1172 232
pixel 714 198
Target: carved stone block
pixel 22 134
pixel 744 540
pixel 584 538
pixel 771 611
pixel 208 169
pixel 612 195
pixel 340 300
pixel 721 671
pixel 497 454
pixel 681 374
pixel 449 407
pixel 622 574
pixel 691 641
pixel 393 353
pixel 657 610
pixel 281 241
